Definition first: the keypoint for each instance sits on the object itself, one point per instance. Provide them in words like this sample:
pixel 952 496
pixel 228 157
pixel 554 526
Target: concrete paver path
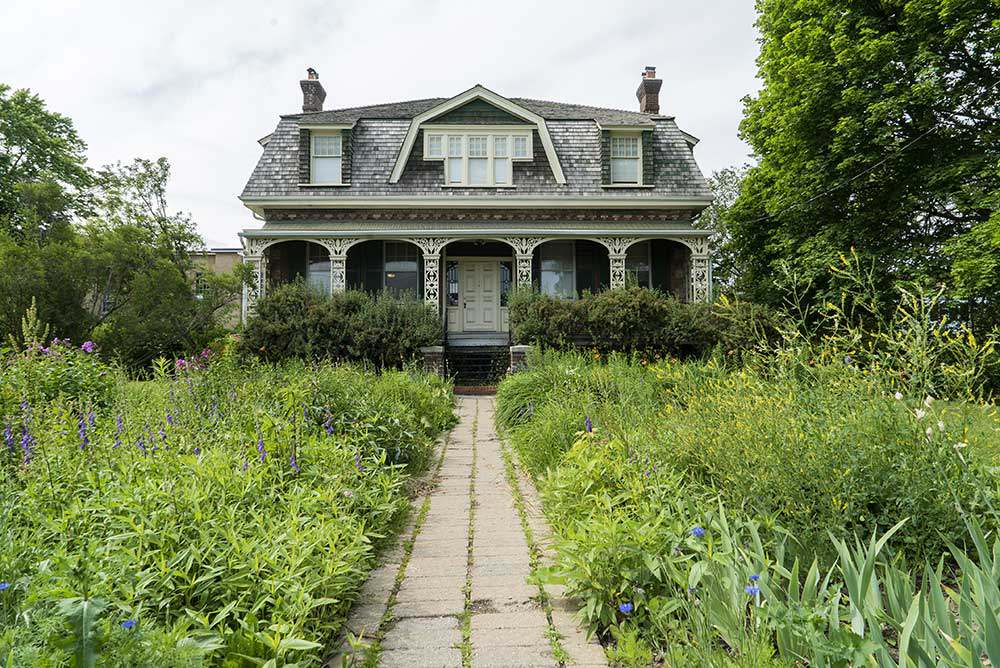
pixel 455 593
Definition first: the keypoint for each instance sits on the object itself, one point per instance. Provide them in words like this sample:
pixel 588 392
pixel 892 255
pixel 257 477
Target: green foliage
pixel 295 321
pixel 230 512
pixel 875 128
pixel 641 321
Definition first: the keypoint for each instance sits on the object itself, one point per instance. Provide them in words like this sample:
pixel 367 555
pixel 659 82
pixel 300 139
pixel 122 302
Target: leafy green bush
pixel 642 321
pixel 295 321
pixel 226 510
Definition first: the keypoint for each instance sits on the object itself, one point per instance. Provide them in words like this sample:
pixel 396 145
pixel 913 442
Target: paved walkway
pixel 455 593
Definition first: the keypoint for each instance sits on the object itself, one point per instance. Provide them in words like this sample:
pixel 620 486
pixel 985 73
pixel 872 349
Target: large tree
pixel 877 127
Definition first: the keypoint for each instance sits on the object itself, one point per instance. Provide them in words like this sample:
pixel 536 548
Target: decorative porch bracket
pixel 337 247
pixel 524 247
pixel 701 278
pixel 431 246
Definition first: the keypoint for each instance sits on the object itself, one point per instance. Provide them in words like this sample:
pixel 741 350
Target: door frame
pixel 457 324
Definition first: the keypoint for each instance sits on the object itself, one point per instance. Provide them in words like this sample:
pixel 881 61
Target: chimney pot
pixel 313 93
pixel 649 91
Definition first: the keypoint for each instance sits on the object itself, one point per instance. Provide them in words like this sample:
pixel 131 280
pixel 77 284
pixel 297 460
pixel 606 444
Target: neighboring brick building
pixel 460 199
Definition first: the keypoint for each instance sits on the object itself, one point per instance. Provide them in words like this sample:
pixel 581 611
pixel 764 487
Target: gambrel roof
pixel 387 155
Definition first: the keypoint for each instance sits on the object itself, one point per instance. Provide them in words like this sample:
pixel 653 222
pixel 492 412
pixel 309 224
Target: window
pixel 506 282
pixel 637 264
pixel 451 280
pixel 482 159
pixel 625 159
pixel 318 268
pixel 326 158
pixel 401 268
pixel 557 269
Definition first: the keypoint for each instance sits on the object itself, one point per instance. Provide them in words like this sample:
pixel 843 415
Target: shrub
pixel 295 321
pixel 642 321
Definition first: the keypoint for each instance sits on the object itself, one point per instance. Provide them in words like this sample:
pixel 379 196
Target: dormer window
pixel 327 158
pixel 480 158
pixel 626 159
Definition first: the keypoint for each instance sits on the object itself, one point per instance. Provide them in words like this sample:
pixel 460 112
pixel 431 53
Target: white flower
pixel 929 432
pixel 960 445
pixel 899 396
pixel 928 401
pixel 920 413
pixel 940 425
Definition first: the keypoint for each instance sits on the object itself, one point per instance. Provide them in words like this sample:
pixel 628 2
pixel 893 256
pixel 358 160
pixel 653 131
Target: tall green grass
pixel 232 513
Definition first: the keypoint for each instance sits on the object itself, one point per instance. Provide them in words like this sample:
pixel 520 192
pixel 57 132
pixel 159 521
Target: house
pixel 460 199
pixel 216 261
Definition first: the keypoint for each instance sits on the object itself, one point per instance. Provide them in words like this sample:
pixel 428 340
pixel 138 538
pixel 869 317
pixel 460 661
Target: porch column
pixel 701 278
pixel 524 248
pixel 253 290
pixel 617 248
pixel 431 246
pixel 337 248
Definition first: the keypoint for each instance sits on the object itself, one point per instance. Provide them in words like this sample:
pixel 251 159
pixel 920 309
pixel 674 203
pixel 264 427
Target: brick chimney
pixel 313 92
pixel 649 91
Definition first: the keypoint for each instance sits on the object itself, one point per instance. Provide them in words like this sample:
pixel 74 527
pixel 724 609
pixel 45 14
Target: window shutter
pixel 605 156
pixel 648 163
pixel 346 152
pixel 304 155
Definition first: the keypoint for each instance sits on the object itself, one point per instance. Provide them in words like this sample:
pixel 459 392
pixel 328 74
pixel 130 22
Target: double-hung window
pixel 625 159
pixel 482 158
pixel 327 157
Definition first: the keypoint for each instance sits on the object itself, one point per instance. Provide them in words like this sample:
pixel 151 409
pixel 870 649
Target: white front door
pixel 480 288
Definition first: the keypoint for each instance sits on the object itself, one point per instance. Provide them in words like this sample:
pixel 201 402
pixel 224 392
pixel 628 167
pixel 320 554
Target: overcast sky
pixel 200 81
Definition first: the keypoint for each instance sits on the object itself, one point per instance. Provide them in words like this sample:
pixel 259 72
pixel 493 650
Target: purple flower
pixel 119 427
pixel 295 464
pixel 754 577
pixel 588 425
pixel 328 425
pixel 88 347
pixel 129 624
pixel 626 608
pixel 163 437
pixel 357 462
pixel 82 431
pixel 170 418
pixel 752 590
pixel 260 447
pixel 8 437
pixel 197 451
pixel 4 586
pixel 698 531
pixel 141 443
pixel 27 445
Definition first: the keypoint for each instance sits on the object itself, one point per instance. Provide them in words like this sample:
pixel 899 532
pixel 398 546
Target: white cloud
pixel 200 82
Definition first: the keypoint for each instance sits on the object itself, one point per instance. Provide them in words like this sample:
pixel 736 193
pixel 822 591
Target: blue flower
pixel 260 447
pixel 295 464
pixel 754 577
pixel 698 531
pixel 129 624
pixel 626 608
pixel 4 586
pixel 752 590
pixel 588 425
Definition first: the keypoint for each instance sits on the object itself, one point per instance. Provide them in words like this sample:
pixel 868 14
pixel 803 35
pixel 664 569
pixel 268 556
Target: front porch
pixel 469 279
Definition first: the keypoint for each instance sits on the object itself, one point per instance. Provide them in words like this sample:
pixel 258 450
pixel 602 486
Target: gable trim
pixel 480 93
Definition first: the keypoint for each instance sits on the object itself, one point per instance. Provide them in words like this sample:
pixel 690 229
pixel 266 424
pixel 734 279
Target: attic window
pixel 480 158
pixel 626 159
pixel 327 158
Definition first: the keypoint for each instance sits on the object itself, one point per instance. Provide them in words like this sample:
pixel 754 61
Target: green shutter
pixel 305 170
pixel 605 157
pixel 648 162
pixel 347 152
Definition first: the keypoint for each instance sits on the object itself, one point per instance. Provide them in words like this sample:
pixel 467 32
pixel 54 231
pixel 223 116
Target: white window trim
pixel 611 159
pixel 490 133
pixel 312 157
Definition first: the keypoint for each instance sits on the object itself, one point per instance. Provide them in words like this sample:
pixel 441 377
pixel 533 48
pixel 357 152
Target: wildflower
pixel 940 425
pixel 328 425
pixel 928 400
pixel 91 418
pixel 929 432
pixel 920 413
pixel 82 431
pixel 698 531
pixel 163 436
pixel 960 445
pixel 119 427
pixel 295 464
pixel 691 590
pixel 626 608
pixel 348 494
pixel 88 347
pixel 180 364
pixel 141 443
pixel 752 590
pixel 170 418
pixel 357 462
pixel 260 447
pixel 847 360
pixel 8 437
pixel 588 425
pixel 754 577
pixel 4 586
pixel 129 624
pixel 27 445
pixel 898 396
